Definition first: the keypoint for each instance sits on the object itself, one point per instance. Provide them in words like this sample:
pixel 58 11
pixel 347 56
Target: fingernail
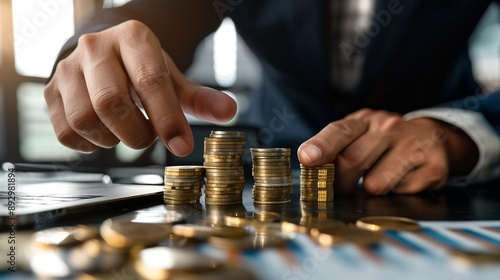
pixel 311 153
pixel 178 146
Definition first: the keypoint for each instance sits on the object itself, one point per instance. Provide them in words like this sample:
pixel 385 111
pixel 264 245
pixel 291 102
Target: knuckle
pixel 361 113
pixel 341 128
pixel 139 142
pixel 66 67
pixel 88 42
pixel 365 111
pixel 437 168
pixel 150 78
pixel 136 31
pixel 50 94
pixel 79 119
pixel 391 123
pixel 133 26
pixel 373 185
pixel 168 120
pixel 66 136
pixel 351 156
pixel 106 97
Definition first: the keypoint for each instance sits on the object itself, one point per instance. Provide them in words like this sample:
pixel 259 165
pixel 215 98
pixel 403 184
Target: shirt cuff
pixel 480 131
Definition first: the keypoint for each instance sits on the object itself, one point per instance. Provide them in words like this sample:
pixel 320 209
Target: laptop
pixel 40 204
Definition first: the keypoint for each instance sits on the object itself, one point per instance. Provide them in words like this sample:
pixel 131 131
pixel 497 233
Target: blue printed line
pixel 407 243
pixel 481 236
pixel 296 249
pixel 340 253
pixel 441 238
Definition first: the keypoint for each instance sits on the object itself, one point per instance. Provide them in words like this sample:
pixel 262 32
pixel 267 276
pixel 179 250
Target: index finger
pixel 331 140
pixel 150 76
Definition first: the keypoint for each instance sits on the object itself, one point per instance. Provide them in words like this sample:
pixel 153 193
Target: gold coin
pixel 64 236
pixel 223 199
pixel 340 235
pixel 380 223
pixel 267 228
pixel 272 202
pixel 249 242
pixel 96 255
pixel 125 233
pixel 227 134
pixel 223 203
pixel 305 225
pixel 222 182
pixel 200 231
pixel 222 164
pixel 225 271
pixel 476 257
pixel 179 202
pixel 243 219
pixel 328 165
pixel 184 169
pixel 163 262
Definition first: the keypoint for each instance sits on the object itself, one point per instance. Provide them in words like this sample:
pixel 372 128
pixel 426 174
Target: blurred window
pixel 37 139
pixel 40 30
pixel 485 50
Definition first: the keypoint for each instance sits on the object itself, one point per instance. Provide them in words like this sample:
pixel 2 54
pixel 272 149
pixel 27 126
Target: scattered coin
pixel 474 258
pixel 64 236
pixel 96 256
pixel 381 223
pixel 248 242
pixel 166 263
pixel 122 232
pixel 341 235
pixel 68 262
pixel 200 231
pixel 225 271
pixel 305 225
pixel 243 219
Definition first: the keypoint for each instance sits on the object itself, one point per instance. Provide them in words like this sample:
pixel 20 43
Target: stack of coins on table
pixel 272 175
pixel 316 183
pixel 183 184
pixel 223 162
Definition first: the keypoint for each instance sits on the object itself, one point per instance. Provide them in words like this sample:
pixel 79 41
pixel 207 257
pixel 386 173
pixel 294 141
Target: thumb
pixel 199 101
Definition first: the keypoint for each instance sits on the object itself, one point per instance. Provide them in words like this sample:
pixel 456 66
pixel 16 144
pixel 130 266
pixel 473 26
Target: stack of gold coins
pixel 272 175
pixel 222 159
pixel 183 184
pixel 316 183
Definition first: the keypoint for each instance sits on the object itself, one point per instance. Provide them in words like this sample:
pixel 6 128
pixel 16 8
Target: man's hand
pixel 94 94
pixel 391 154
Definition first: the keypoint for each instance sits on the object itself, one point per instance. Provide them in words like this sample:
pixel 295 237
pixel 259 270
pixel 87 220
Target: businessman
pixel 383 88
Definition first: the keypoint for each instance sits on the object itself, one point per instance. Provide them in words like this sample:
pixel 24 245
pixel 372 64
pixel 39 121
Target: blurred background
pixel 33 31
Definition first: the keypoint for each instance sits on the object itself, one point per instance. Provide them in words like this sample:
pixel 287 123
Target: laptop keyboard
pixel 26 200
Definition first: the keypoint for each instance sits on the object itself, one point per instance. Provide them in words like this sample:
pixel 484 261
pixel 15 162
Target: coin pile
pixel 316 183
pixel 223 162
pixel 183 184
pixel 272 175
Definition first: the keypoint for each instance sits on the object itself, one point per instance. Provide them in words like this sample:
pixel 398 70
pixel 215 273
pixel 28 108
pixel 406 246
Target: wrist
pixel 462 152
